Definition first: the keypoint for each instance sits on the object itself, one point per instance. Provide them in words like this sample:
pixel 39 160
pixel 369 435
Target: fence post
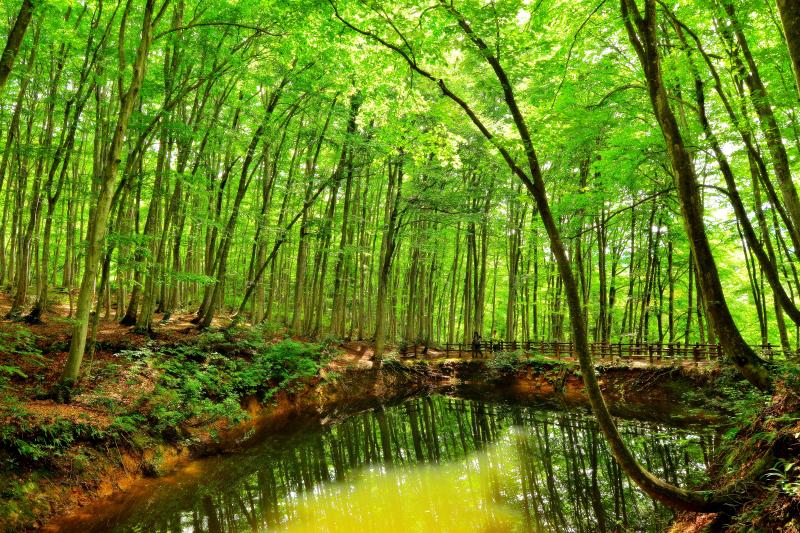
pixel 650 353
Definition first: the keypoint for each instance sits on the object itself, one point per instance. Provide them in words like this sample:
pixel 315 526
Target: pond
pixel 429 464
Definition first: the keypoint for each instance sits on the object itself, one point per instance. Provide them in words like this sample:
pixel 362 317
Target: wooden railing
pixel 652 352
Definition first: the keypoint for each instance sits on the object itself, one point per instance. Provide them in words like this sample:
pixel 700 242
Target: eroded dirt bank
pixel 341 390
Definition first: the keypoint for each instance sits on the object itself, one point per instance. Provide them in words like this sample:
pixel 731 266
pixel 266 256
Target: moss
pixel 154 464
pixel 21 501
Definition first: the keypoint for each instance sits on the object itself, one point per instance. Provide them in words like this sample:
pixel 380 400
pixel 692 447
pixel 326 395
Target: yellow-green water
pixel 428 465
pixel 464 496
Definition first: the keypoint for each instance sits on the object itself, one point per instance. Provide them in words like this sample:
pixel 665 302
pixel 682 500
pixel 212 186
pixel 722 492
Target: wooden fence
pixel 652 352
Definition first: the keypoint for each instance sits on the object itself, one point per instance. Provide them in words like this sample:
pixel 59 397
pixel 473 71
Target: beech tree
pixel 14 40
pixel 400 174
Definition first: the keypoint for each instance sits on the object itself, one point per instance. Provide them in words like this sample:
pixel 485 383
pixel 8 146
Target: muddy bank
pixel 773 500
pixel 113 469
pixel 656 394
pixel 324 400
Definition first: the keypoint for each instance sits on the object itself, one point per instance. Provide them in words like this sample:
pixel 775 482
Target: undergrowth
pixel 759 424
pixel 19 352
pixel 198 386
pixel 194 385
pixel 508 363
pixel 162 393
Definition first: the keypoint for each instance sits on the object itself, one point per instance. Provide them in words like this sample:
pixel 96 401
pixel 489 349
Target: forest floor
pixel 149 403
pixel 771 502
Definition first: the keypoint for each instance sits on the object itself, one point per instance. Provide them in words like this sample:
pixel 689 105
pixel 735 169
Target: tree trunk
pixel 641 32
pixel 790 18
pixel 15 37
pixel 96 230
pixel 388 244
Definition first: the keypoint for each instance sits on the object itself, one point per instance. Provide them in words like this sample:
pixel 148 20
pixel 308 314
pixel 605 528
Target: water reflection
pixel 430 464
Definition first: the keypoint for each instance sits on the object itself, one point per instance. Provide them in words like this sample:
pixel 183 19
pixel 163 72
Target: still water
pixel 431 464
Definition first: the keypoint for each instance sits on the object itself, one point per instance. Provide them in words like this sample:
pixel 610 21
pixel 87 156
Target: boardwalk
pixel 652 353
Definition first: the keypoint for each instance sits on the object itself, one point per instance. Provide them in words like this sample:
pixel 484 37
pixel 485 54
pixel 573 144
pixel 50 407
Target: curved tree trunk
pixel 656 488
pixel 641 31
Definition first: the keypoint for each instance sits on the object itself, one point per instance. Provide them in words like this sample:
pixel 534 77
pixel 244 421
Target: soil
pixel 351 381
pixel 773 504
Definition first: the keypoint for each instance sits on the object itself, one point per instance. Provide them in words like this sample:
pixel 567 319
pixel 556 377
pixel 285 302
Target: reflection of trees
pixel 551 466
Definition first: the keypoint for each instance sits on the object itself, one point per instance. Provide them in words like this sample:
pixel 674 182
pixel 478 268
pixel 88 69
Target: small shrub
pixel 289 361
pixel 402 346
pixel 18 346
pixel 25 440
pixel 127 425
pixel 197 385
pixel 392 363
pixel 787 476
pixel 270 329
pixel 541 363
pixel 505 363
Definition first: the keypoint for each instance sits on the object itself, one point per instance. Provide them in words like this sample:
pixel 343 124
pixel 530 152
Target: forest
pixel 209 201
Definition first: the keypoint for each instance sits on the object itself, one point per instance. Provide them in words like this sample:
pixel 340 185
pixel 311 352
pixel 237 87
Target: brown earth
pixel 352 381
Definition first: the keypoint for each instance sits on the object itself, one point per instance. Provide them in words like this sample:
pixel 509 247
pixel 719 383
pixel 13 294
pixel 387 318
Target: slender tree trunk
pixel 641 31
pixel 96 230
pixel 15 37
pixel 601 332
pixel 227 236
pixel 451 320
pixel 790 18
pixel 388 245
pixel 338 316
